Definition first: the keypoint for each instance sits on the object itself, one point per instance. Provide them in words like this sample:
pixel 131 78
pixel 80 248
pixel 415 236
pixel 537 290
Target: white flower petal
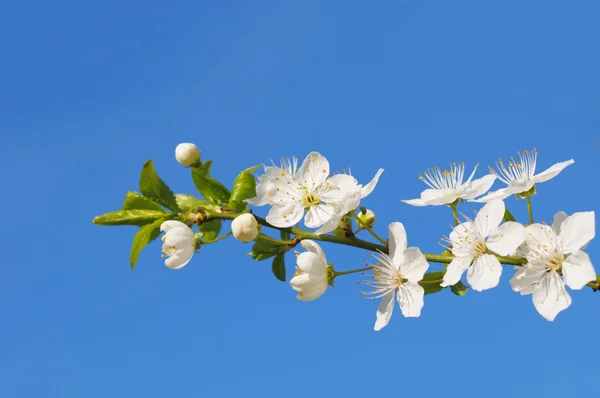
pixel 550 296
pixel 411 299
pixel 559 218
pixel 552 171
pixel 505 239
pixel 525 280
pixel 500 194
pixel 458 237
pixel 413 264
pixel 180 259
pixel 478 187
pixel 577 230
pixel 318 215
pixel 384 311
pixel 265 185
pixel 537 237
pixel 336 187
pixel 311 263
pixel 397 241
pixel 170 224
pixel 455 270
pixel 330 225
pixel 313 294
pixel 314 170
pixel 286 215
pixel 426 196
pixel 489 217
pixel 484 273
pixel 578 270
pixel 367 189
pixel 313 247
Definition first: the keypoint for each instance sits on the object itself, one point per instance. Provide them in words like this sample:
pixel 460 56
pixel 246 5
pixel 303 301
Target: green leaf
pixel 188 202
pixel 145 235
pixel 459 289
pixel 130 217
pixel 508 216
pixel 244 188
pixel 153 187
pixel 263 249
pixel 431 288
pixel 279 267
pixel 136 201
pixel 210 229
pixel 206 165
pixel 209 187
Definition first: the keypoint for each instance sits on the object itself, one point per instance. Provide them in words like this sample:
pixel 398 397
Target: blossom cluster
pixel 549 257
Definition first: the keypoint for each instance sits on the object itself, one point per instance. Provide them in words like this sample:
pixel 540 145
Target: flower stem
pixel 365 226
pixel 218 239
pixel 529 209
pixel 352 271
pixel 455 214
pixel 281 242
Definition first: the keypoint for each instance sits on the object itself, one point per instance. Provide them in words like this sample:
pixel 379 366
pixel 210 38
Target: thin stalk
pixel 365 226
pixel 529 209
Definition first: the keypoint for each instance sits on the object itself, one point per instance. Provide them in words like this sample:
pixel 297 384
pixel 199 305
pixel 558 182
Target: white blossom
pixel 519 175
pixel 187 154
pixel 447 186
pixel 245 228
pixel 311 278
pixel 555 259
pixel 398 275
pixel 179 243
pixel 473 240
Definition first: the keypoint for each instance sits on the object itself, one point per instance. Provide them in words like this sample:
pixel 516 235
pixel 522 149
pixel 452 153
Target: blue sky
pixel 90 91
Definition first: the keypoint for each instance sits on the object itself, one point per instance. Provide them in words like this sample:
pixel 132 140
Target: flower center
pixel 555 261
pixel 310 199
pixel 479 248
pixel 516 170
pixel 447 181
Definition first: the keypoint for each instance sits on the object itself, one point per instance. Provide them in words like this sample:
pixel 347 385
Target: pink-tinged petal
pixel 489 217
pixel 505 239
pixel 525 280
pixel 484 273
pixel 578 270
pixel 559 218
pixel 552 171
pixel 413 264
pixel 500 194
pixel 411 299
pixel 314 170
pixel 550 296
pixel 311 263
pixel 385 310
pixel 367 189
pixel 397 241
pixel 455 270
pixel 426 196
pixel 313 247
pixel 478 187
pixel 577 230
pixel 286 215
pixel 318 215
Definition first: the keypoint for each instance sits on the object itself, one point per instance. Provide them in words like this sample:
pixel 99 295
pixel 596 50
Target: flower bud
pixel 187 154
pixel 367 218
pixel 245 228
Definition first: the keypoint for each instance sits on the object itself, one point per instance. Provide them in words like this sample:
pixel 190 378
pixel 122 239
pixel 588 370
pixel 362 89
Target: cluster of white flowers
pixel 551 256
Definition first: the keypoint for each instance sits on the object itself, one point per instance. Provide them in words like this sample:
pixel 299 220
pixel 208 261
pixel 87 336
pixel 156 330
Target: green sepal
pixel 278 267
pixel 263 249
pixel 460 289
pixel 209 187
pixel 136 201
pixel 130 217
pixel 508 216
pixel 431 288
pixel 244 188
pixel 145 235
pixel 210 229
pixel 154 188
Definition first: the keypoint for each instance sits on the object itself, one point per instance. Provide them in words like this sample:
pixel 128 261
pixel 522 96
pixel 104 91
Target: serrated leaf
pixel 154 188
pixel 188 202
pixel 134 200
pixel 244 188
pixel 210 229
pixel 431 288
pixel 129 217
pixel 459 289
pixel 263 249
pixel 278 267
pixel 508 216
pixel 145 235
pixel 209 187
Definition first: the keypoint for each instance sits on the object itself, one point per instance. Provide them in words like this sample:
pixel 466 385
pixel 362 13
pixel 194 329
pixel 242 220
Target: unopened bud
pixel 367 218
pixel 245 228
pixel 187 154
